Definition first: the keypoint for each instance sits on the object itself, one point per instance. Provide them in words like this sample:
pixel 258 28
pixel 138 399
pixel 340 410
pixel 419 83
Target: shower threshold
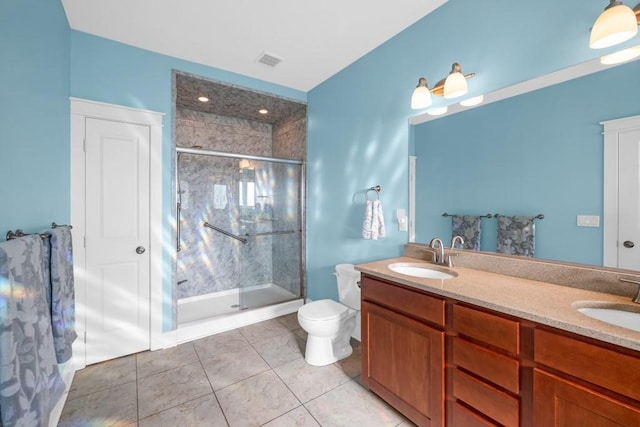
pixel 198 308
pixel 232 318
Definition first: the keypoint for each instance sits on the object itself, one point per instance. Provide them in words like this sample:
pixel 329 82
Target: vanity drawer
pixel 463 417
pixel 495 404
pixel 488 328
pixel 602 366
pixel 415 304
pixel 494 367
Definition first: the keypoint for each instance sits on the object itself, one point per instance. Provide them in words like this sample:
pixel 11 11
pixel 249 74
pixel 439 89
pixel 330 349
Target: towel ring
pixel 375 188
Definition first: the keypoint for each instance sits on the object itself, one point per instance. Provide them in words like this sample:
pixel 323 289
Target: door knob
pixel 140 250
pixel 628 244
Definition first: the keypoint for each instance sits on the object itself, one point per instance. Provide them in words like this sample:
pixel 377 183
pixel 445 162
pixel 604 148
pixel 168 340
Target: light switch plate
pixel 588 221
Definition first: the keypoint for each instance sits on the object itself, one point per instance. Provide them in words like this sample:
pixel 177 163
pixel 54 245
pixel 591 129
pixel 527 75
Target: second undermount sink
pixel 422 270
pixel 627 316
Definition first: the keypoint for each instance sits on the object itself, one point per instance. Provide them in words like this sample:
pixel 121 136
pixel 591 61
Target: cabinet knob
pixel 140 250
pixel 628 244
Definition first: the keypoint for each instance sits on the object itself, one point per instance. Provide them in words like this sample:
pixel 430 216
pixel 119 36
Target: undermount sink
pixel 421 270
pixel 627 316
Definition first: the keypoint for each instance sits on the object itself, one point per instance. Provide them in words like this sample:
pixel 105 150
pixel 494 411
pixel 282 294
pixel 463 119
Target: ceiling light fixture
pixel 472 101
pixel 453 86
pixel 203 99
pixel 621 56
pixel 263 111
pixel 618 23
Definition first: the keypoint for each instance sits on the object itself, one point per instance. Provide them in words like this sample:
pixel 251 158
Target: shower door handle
pixel 140 250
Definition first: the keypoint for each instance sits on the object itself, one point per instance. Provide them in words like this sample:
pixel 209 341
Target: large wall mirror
pixel 536 153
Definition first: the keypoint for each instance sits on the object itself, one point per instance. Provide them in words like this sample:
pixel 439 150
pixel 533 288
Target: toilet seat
pixel 323 310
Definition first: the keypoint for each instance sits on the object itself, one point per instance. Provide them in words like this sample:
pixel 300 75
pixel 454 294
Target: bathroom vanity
pixel 487 349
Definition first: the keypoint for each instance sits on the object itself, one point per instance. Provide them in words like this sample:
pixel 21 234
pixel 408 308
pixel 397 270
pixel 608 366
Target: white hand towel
pixel 377 206
pixel 373 224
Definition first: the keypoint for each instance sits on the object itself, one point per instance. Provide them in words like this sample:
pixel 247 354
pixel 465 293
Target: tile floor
pixel 251 376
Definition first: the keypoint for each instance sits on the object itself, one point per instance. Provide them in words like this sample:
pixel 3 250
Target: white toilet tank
pixel 348 289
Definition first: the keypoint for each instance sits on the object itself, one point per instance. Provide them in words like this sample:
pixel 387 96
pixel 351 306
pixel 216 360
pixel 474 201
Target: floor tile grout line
pixel 174 406
pixel 215 395
pixel 283 414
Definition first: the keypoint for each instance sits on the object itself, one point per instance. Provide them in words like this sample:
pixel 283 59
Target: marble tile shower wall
pixel 210 261
pixel 290 137
pixel 221 133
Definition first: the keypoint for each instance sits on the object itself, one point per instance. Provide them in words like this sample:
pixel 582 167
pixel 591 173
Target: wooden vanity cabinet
pixel 403 349
pixel 440 361
pixel 580 383
pixel 485 368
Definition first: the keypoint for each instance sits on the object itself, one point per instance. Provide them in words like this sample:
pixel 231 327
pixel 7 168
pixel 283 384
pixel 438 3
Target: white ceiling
pixel 315 39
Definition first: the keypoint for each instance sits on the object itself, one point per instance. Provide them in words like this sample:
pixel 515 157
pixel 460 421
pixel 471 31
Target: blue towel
pixel 516 235
pixel 468 227
pixel 62 297
pixel 30 384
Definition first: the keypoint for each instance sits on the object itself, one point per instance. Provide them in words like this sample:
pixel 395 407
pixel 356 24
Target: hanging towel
pixel 62 297
pixel 30 383
pixel 516 235
pixel 468 227
pixel 373 224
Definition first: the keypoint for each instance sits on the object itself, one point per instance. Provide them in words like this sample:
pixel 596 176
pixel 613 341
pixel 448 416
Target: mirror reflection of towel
pixel 467 227
pixel 516 235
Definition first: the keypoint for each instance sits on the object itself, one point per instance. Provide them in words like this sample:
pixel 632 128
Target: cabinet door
pixel 559 402
pixel 403 363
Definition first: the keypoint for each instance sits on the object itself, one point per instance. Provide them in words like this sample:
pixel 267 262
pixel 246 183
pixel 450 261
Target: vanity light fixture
pixel 421 97
pixel 263 111
pixel 621 56
pixel 472 101
pixel 453 86
pixel 203 99
pixel 456 83
pixel 618 23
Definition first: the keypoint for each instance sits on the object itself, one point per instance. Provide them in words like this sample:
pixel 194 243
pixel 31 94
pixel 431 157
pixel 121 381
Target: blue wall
pixel 540 152
pixel 358 133
pixel 34 115
pixel 107 71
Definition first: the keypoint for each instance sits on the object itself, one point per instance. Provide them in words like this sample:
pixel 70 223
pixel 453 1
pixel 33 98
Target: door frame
pixel 82 109
pixel 612 130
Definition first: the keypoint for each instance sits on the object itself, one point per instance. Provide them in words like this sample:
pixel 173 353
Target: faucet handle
pixel 635 282
pixel 450 256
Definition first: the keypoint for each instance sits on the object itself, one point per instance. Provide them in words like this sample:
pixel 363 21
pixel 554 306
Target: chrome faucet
pixel 456 239
pixel 440 256
pixel 635 282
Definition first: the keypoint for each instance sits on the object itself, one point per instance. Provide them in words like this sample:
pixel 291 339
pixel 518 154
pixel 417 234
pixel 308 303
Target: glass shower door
pixel 270 219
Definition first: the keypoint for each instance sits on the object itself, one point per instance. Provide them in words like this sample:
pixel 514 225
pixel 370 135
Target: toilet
pixel 330 324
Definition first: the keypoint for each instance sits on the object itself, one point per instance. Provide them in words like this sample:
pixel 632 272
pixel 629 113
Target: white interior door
pixel 629 200
pixel 117 239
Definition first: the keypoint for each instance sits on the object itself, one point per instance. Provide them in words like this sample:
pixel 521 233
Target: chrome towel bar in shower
pixel 225 232
pixel 244 240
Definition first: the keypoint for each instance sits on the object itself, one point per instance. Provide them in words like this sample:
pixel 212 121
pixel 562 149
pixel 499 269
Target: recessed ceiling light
pixel 437 111
pixel 203 99
pixel 472 101
pixel 263 111
pixel 621 56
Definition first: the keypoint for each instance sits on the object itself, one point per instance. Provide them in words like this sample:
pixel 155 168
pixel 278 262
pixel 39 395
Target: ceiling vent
pixel 269 59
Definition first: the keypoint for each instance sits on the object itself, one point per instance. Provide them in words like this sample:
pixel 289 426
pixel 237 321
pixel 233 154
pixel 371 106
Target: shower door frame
pixel 302 205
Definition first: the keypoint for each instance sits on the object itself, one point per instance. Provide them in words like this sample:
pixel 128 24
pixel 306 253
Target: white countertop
pixel 540 302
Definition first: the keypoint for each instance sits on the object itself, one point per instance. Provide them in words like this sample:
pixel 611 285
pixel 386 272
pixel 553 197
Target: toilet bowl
pixel 330 324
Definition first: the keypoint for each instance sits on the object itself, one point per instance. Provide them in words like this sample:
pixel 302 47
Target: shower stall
pixel 239 239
